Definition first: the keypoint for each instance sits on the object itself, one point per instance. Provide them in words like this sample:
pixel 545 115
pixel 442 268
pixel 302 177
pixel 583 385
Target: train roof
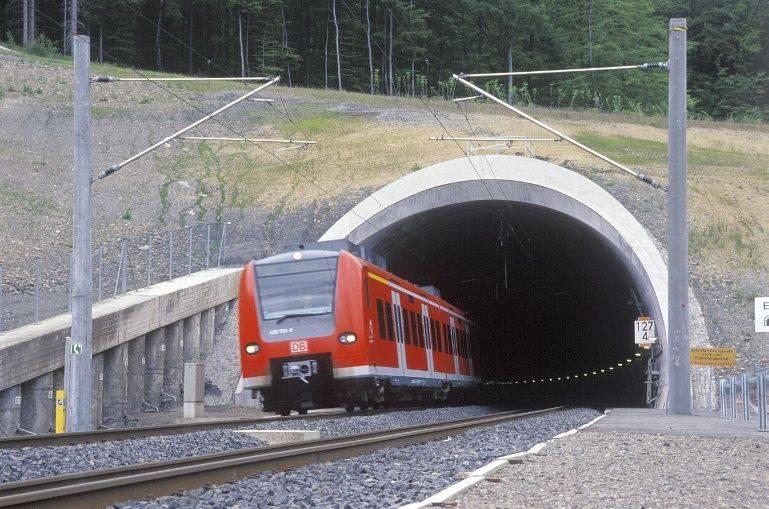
pixel 289 256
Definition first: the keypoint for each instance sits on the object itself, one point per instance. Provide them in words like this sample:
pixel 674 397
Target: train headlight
pixel 252 348
pixel 348 338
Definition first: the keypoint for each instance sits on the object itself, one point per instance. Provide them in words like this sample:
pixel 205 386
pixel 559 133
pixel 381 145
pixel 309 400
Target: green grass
pixel 636 151
pixel 316 124
pixel 100 112
pixel 722 236
pixel 28 202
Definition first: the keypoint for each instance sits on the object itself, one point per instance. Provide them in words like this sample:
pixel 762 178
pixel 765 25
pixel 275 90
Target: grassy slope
pixel 367 141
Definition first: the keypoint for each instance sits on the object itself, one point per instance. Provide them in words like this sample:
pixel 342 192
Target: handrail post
pixel 761 401
pixel 745 397
pixel 733 397
pixel 722 397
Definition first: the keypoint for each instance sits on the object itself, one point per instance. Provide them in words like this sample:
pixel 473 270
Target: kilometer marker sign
pixel 645 331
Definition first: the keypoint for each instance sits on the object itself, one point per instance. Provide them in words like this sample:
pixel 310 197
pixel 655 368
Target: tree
pixel 338 54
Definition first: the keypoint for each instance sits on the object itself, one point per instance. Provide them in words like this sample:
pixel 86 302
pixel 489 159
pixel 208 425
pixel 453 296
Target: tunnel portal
pixel 550 267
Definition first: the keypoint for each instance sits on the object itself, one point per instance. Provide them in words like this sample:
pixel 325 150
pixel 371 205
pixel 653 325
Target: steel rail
pixel 106 435
pixel 104 487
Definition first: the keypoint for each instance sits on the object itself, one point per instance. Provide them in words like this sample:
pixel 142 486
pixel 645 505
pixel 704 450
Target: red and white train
pixel 321 327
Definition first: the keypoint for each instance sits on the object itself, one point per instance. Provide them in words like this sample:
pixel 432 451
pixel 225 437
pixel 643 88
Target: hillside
pixel 364 143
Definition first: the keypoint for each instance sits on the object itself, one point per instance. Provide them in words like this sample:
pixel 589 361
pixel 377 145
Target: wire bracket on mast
pixel 112 169
pixel 640 176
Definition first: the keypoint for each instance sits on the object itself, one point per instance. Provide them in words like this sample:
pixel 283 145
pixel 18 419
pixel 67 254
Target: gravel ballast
pixel 35 462
pixel 387 478
pixel 621 470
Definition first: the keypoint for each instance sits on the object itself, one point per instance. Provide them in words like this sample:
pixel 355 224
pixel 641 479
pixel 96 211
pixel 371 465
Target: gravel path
pixel 621 470
pixel 34 462
pixel 387 478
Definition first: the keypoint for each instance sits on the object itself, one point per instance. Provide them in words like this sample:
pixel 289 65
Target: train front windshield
pixel 297 288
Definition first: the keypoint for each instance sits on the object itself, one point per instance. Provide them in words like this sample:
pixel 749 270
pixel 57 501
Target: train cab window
pixel 296 289
pixel 380 318
pixel 406 327
pixel 389 319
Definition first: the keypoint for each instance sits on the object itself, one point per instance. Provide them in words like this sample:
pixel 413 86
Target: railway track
pixel 105 435
pixel 101 488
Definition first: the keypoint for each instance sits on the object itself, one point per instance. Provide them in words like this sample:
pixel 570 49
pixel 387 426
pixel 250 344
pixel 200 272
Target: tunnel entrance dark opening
pixel 549 297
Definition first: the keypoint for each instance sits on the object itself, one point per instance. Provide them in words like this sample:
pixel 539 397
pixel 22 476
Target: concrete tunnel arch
pixel 525 181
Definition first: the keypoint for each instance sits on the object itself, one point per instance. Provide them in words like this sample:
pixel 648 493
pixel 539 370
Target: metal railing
pixel 42 289
pixel 729 388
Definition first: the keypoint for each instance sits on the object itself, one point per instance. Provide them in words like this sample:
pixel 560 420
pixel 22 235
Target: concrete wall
pixel 141 340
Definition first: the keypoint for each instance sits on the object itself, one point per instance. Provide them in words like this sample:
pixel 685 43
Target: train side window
pixel 380 318
pixel 406 326
pixel 389 318
pixel 433 339
pixel 438 338
pixel 420 330
pixel 413 324
pixel 446 338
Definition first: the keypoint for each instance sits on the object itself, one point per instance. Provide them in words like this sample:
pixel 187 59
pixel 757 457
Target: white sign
pixel 76 348
pixel 762 314
pixel 645 331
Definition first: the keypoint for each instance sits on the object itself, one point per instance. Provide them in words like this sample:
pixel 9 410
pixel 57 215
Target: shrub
pixel 42 46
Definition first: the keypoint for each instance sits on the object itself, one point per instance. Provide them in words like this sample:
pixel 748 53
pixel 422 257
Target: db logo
pixel 299 346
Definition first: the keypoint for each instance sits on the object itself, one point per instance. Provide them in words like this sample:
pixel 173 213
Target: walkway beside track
pixel 636 458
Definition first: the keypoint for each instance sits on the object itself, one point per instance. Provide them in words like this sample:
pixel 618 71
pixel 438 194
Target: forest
pixel 411 47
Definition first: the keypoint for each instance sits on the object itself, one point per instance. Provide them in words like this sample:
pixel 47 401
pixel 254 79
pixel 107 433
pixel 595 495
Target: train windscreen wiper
pixel 296 315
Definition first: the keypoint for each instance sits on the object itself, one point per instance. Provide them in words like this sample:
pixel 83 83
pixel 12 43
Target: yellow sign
pixel 726 357
pixel 61 412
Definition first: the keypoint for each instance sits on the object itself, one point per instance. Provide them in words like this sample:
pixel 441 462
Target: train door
pixel 453 339
pixel 399 342
pixel 425 323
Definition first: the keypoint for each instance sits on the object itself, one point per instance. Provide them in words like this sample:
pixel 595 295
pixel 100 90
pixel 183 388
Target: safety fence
pixel 751 389
pixel 42 289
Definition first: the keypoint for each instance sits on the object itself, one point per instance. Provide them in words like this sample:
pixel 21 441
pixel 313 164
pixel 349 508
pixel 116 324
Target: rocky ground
pixel 630 470
pixel 387 478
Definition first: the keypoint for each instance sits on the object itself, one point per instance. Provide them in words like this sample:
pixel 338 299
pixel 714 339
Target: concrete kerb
pixel 484 472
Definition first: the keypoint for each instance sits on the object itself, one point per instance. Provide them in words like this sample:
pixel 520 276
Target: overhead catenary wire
pixel 642 67
pixel 114 79
pixel 112 169
pixel 640 176
pixel 252 140
pixel 489 138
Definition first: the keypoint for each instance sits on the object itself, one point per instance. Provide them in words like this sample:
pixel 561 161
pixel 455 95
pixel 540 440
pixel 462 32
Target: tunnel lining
pixel 519 180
